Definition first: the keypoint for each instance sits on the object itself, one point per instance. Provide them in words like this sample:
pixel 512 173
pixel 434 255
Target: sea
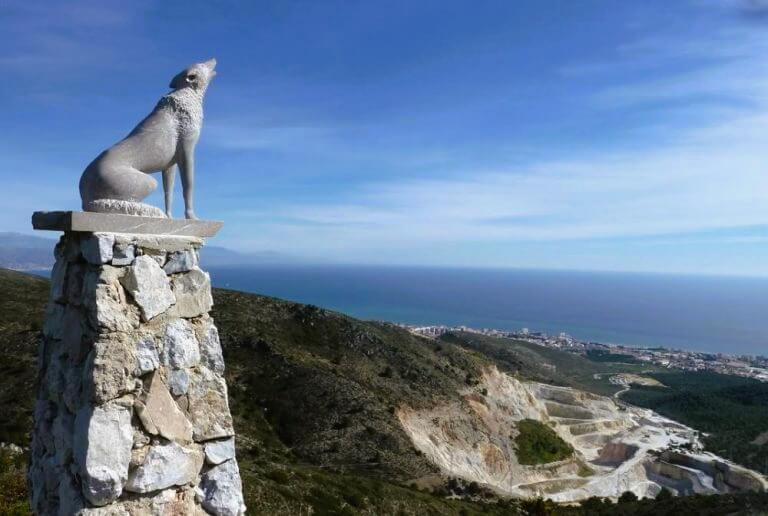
pixel 701 313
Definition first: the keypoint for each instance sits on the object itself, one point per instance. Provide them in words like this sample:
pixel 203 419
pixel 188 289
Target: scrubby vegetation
pixel 536 443
pixel 663 505
pixel 13 483
pixel 599 355
pixel 733 411
pixel 314 395
pixel 547 365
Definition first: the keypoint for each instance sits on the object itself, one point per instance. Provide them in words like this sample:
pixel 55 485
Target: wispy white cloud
pixel 709 176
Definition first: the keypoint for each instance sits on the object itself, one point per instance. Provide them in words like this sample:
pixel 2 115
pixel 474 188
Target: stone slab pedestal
pixel 132 416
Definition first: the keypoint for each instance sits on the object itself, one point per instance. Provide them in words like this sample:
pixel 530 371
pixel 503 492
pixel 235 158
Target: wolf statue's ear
pixel 178 81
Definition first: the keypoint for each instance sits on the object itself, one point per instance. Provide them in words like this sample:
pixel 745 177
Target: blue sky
pixel 558 134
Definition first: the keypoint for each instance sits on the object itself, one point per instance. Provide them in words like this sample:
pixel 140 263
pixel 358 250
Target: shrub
pixel 536 443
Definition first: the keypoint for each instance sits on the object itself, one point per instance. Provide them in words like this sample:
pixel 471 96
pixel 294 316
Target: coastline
pixel 748 366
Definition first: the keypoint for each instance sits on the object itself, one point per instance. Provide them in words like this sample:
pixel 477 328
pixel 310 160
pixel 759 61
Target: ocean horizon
pixel 714 314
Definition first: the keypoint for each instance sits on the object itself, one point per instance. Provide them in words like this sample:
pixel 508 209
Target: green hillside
pixel 547 365
pixel 313 394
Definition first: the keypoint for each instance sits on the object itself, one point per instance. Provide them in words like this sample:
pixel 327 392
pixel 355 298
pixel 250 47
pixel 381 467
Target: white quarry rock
pixel 178 382
pixel 221 491
pixel 114 345
pixel 166 243
pixel 217 452
pixel 105 300
pixel 210 348
pixel 102 451
pixel 168 502
pixel 97 247
pixel 159 413
pixel 123 254
pixel 147 358
pixel 149 286
pixel 208 408
pixel 158 257
pixel 140 439
pixel 181 348
pixel 193 293
pixel 181 261
pixel 166 465
pixel 116 509
pixel 109 368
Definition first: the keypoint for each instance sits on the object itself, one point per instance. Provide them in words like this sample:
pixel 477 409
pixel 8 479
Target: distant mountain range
pixel 28 253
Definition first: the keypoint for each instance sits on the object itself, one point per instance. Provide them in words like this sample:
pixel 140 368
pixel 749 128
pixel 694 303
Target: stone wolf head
pixel 196 76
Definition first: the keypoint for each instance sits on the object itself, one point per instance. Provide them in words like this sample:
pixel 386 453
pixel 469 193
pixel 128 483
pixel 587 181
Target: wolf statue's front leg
pixel 187 170
pixel 169 174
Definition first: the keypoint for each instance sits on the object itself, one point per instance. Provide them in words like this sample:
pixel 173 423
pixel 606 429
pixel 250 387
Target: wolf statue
pixel 119 178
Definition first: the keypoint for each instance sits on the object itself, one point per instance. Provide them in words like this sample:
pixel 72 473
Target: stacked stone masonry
pixel 132 415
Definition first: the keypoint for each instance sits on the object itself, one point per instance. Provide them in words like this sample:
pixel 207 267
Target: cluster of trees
pixel 536 443
pixel 599 355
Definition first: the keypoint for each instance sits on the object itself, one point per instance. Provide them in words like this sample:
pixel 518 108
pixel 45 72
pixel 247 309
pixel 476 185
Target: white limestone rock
pixel 193 293
pixel 217 452
pixel 210 348
pixel 208 407
pixel 149 287
pixel 168 502
pixel 221 491
pixel 167 243
pixel 147 357
pixel 180 348
pixel 108 372
pixel 181 261
pixel 123 254
pixel 97 247
pixel 166 465
pixel 159 413
pixel 117 509
pixel 102 451
pixel 178 382
pixel 105 300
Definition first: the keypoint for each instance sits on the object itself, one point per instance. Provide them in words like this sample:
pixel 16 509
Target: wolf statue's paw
pixel 190 215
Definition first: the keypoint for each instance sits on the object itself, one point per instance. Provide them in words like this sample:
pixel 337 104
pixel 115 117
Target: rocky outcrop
pixel 132 415
pixel 617 447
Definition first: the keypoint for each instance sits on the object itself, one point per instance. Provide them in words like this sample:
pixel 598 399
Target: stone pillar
pixel 132 415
